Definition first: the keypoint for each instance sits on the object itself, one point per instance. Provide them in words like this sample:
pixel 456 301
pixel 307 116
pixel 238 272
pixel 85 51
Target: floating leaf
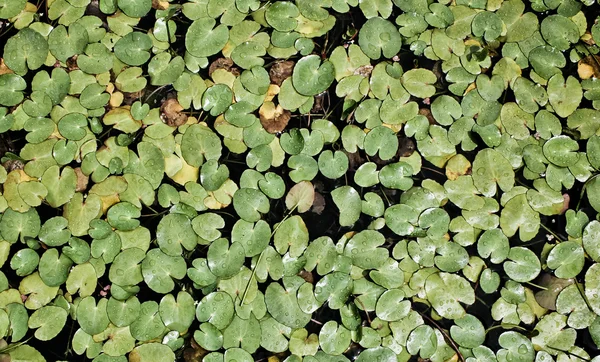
pixel 27 50
pixel 379 37
pixel 348 202
pixel 311 77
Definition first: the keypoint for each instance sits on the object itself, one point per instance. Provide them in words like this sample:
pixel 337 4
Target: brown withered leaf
pixel 12 165
pixel 3 68
pixel 72 63
pixel 273 118
pixel 280 71
pixel 160 5
pixel 130 98
pixel 318 204
pixel 354 160
pixel 553 286
pixel 223 63
pixel 427 113
pixel 194 353
pixel 589 67
pixel 566 201
pixel 407 147
pixel 307 276
pixel 318 105
pixel 170 112
pixel 364 70
pixel 82 180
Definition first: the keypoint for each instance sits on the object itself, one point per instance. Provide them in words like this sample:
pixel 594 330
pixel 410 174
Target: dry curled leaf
pixel 273 118
pixel 407 147
pixel 3 68
pixel 318 204
pixel 427 113
pixel 72 63
pixel 116 99
pixel 223 63
pixel 589 67
pixel 171 113
pixel 82 180
pixel 364 70
pixel 307 276
pixel 160 4
pixel 566 201
pixel 280 71
pixel 12 165
pixel 130 98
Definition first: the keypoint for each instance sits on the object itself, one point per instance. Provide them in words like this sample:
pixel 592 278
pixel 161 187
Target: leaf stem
pixel 446 336
pixel 261 255
pixel 583 189
pixel 536 286
pixel 506 326
pixel 552 232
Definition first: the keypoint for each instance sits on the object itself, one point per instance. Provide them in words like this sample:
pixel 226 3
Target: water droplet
pixel 385 36
pixel 523 349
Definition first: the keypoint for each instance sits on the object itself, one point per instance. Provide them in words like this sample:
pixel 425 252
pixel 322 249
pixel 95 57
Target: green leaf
pixel 333 165
pixel 135 8
pixel 293 234
pixel 592 287
pixel 92 317
pixel 97 59
pixel 381 141
pixel 133 48
pixel 364 249
pixel 148 325
pixel 54 269
pixel 25 353
pixel 48 322
pixel 204 39
pixel 217 99
pixel 522 264
pixel 379 37
pixel 418 82
pixel 27 50
pixel 446 291
pixel 468 332
pixel 348 202
pixel 564 96
pixel 242 333
pixel 391 306
pixel 16 225
pixel 518 215
pixel 282 304
pixel 152 352
pixel 422 340
pixel 311 77
pixel 159 270
pixel 64 44
pixel 165 70
pixel 273 337
pixel 173 232
pixel 559 31
pixel 11 8
pixel 516 347
pixel 487 25
pixel 11 87
pixel 225 260
pixel 282 16
pixel 333 338
pixel 250 204
pixel 126 269
pixel 217 309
